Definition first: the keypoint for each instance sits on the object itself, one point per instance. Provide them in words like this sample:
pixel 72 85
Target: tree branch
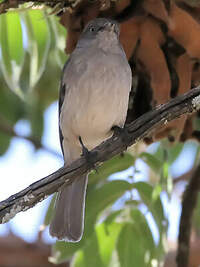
pixel 137 130
pixel 189 202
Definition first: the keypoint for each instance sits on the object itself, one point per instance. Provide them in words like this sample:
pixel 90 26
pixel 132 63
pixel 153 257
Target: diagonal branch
pixel 137 130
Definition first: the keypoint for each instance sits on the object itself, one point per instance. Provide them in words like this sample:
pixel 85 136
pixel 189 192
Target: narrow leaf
pixel 12 51
pixel 38 32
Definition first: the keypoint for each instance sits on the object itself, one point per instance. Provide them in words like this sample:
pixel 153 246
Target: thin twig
pixel 136 131
pixel 188 205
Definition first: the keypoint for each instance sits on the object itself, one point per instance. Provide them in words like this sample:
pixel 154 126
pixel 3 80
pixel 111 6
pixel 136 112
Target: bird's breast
pixel 97 100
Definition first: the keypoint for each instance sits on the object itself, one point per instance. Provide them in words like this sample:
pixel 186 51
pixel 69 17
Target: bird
pixel 94 94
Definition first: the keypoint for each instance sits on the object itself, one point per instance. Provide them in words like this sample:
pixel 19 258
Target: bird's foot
pixel 122 133
pixel 88 155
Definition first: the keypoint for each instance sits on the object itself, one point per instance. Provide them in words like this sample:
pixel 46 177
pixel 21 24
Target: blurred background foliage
pixel 120 209
pixel 31 45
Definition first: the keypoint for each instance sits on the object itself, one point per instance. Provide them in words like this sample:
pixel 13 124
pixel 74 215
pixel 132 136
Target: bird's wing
pixel 62 94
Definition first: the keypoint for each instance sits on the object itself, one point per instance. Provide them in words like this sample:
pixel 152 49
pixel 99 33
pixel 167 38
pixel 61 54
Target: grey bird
pixel 94 94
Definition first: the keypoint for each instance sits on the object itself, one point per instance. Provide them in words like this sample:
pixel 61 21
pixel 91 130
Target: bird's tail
pixel 68 220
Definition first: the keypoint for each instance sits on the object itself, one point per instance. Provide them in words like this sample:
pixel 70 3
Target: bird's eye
pixel 92 29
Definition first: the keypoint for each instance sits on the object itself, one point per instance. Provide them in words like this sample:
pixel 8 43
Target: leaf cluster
pixel 31 48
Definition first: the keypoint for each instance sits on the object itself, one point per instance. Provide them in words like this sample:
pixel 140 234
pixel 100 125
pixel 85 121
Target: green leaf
pixel 4 142
pixel 107 235
pixel 12 51
pixel 174 152
pixel 153 162
pixel 37 121
pixel 114 165
pixel 156 191
pixel 129 247
pixel 11 36
pixel 155 206
pixel 100 198
pixel 78 259
pixel 100 246
pixel 50 210
pixel 59 34
pixel 62 251
pixel 159 154
pixel 10 101
pixel 103 197
pixel 89 256
pixel 166 180
pixel 165 170
pixel 142 226
pixel 35 114
pixel 38 42
pixel 112 216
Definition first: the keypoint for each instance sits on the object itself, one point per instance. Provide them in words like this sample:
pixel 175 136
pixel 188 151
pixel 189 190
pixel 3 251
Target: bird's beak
pixel 110 27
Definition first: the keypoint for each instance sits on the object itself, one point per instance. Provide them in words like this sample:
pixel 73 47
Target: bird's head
pixel 100 30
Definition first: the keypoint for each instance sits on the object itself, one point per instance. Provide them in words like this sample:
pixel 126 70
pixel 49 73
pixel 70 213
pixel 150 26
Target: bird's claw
pixel 88 155
pixel 123 133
